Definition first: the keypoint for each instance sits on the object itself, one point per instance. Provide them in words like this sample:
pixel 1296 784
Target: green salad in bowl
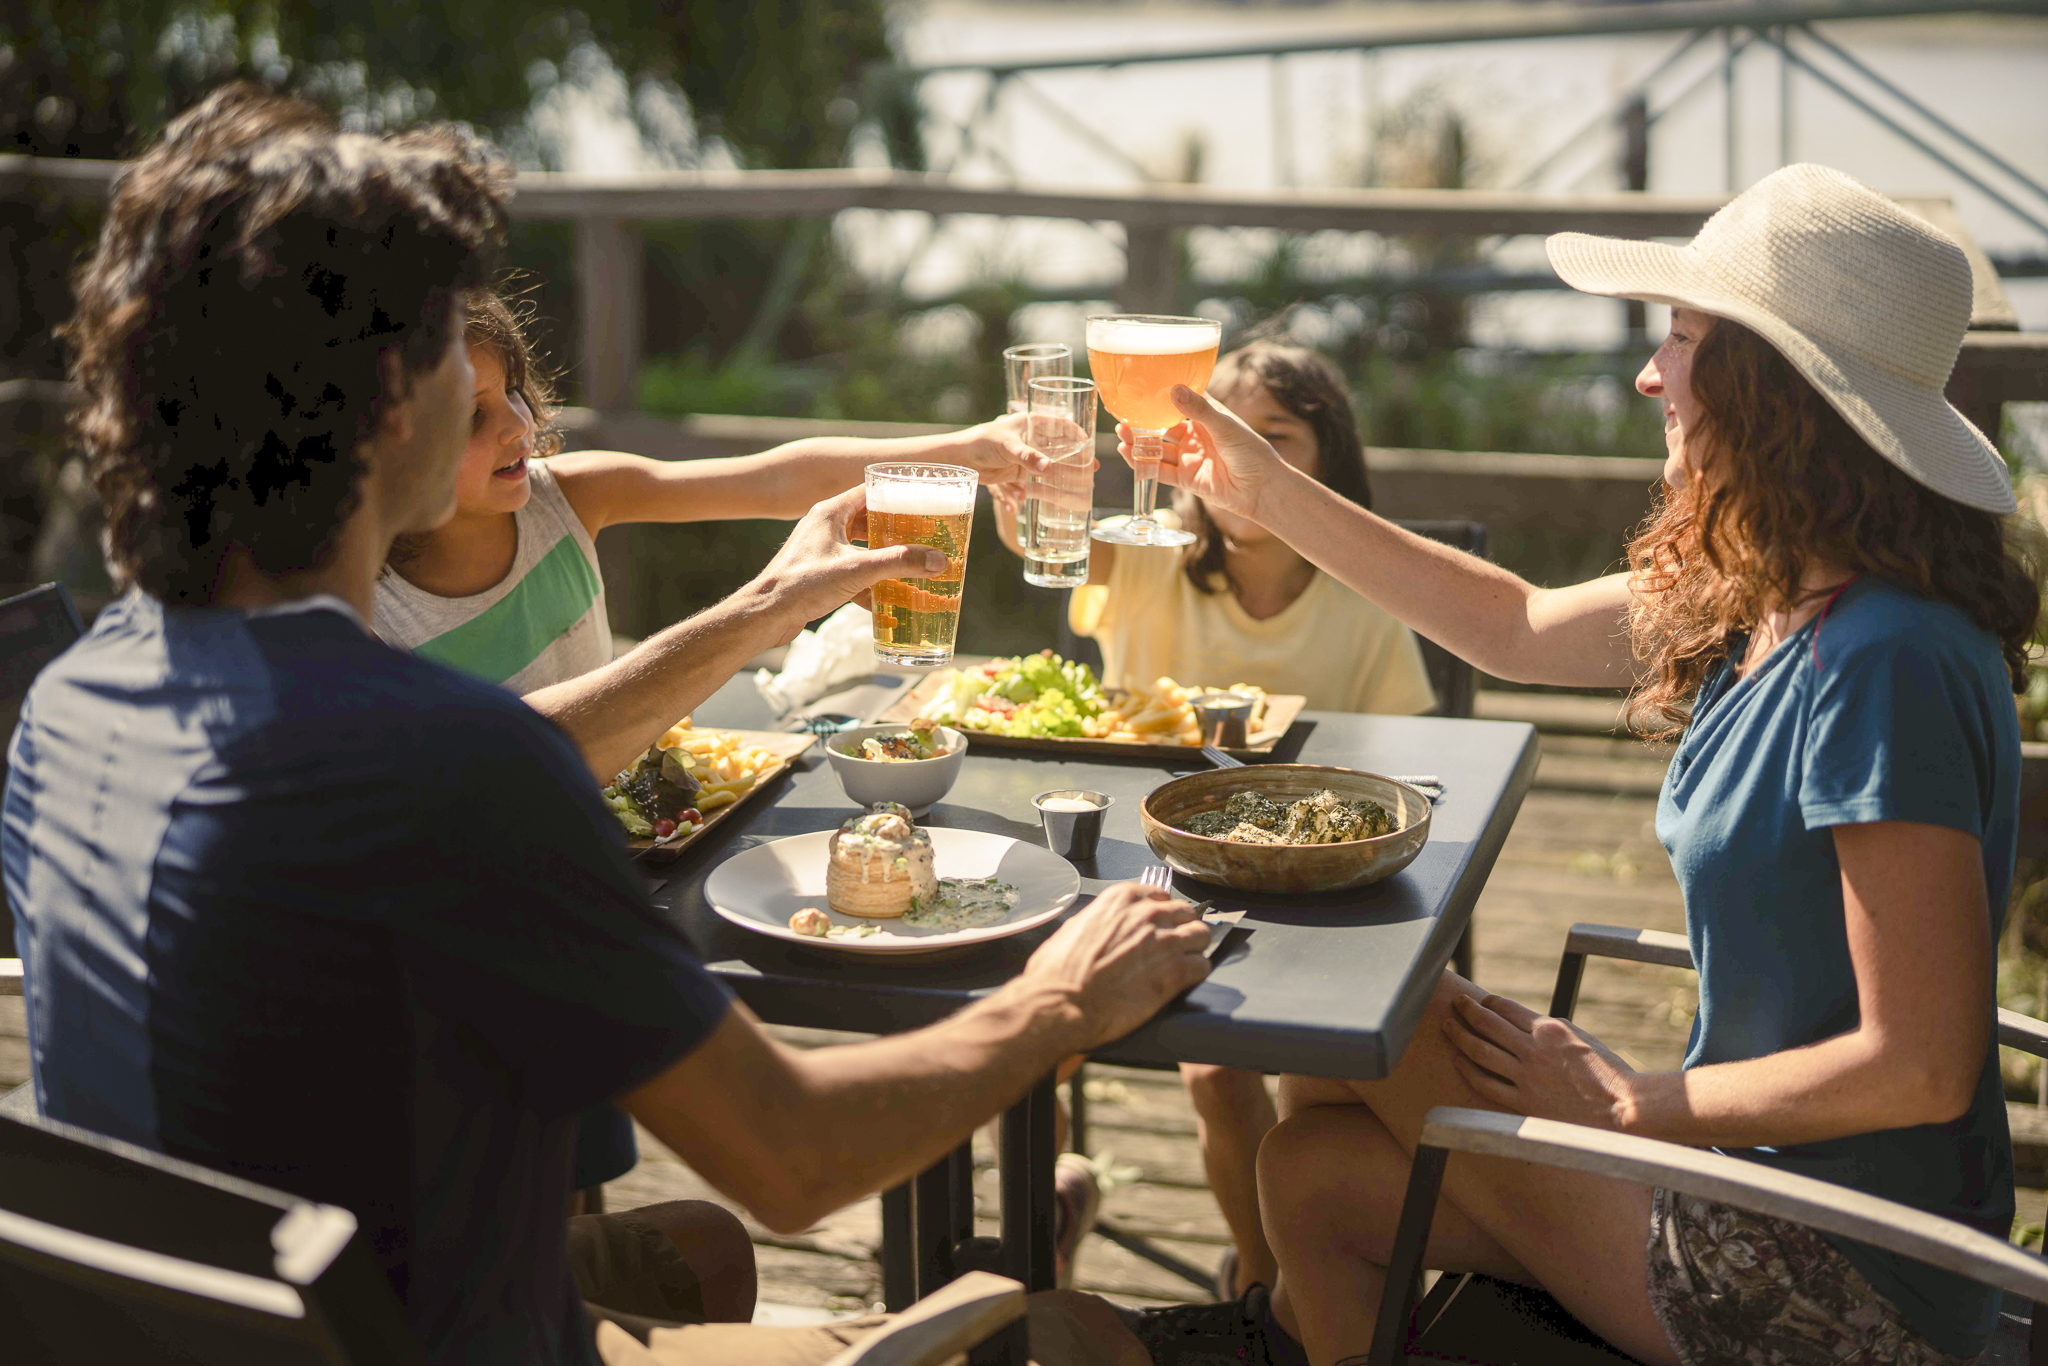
pixel 913 765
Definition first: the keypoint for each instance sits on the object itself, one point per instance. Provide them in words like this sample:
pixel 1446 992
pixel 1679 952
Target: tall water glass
pixel 1021 365
pixel 917 504
pixel 1136 359
pixel 1062 429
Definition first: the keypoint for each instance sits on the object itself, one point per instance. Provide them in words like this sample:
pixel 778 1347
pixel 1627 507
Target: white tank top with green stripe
pixel 541 624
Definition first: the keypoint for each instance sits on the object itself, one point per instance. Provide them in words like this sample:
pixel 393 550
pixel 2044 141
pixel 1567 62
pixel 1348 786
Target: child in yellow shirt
pixel 1240 606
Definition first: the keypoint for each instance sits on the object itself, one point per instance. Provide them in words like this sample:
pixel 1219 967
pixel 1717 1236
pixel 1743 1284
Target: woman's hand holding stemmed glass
pixel 1213 455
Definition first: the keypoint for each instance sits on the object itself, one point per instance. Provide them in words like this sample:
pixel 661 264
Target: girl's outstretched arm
pixel 610 487
pixel 1576 636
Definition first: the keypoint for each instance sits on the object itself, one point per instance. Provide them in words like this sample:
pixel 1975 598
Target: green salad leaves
pixel 1031 695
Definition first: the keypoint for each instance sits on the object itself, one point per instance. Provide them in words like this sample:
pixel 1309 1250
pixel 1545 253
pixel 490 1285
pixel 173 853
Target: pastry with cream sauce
pixel 879 864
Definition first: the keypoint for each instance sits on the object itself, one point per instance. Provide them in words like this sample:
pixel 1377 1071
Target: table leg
pixel 1027 1163
pixel 962 1164
pixel 899 1251
pixel 933 1220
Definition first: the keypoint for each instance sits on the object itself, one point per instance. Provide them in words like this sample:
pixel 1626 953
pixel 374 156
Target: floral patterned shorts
pixel 1734 1287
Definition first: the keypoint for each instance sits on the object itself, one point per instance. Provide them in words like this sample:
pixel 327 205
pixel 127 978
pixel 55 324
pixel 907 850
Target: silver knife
pixel 1220 924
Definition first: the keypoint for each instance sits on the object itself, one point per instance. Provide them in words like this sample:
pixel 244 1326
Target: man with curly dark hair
pixel 304 908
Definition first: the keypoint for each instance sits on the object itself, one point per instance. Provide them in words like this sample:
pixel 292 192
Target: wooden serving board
pixel 1281 709
pixel 783 745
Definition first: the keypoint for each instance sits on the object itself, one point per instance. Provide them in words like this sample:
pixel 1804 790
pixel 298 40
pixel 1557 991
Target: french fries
pixel 1162 716
pixel 717 759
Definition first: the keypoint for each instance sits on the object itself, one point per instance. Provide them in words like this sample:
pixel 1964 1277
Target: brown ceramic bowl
pixel 1283 867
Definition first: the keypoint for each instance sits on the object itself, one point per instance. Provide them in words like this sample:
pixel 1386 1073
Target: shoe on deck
pixel 1227 1334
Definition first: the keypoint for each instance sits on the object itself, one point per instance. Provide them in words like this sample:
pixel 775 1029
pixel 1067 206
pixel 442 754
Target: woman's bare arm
pixel 1493 619
pixel 1920 944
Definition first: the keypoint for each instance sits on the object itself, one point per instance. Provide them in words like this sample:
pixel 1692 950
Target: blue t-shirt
pixel 307 909
pixel 1889 707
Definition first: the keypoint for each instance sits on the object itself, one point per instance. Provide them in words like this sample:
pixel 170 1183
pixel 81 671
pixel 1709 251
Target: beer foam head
pixel 1126 337
pixel 918 498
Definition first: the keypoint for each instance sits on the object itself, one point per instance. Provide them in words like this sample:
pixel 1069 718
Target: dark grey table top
pixel 1324 985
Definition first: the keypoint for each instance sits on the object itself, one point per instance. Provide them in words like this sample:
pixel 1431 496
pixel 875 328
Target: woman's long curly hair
pixel 258 270
pixel 1306 384
pixel 1782 483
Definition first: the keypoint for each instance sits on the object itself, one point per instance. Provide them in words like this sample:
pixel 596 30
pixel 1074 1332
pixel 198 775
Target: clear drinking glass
pixel 1136 359
pixel 1021 365
pixel 917 504
pixel 1055 520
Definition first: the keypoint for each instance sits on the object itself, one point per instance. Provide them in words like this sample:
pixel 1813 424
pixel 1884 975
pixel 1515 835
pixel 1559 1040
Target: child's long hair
pixel 1307 385
pixel 493 321
pixel 1781 482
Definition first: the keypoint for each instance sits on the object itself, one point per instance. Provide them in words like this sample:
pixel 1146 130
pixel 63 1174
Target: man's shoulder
pixel 418 714
pixel 288 682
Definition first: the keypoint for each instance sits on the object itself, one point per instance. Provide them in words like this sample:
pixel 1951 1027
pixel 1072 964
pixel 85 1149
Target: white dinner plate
pixel 763 887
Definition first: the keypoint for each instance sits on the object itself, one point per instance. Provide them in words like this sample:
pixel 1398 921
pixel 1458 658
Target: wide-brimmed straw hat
pixel 1866 300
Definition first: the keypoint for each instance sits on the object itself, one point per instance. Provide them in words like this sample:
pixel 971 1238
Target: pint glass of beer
pixel 913 504
pixel 1136 360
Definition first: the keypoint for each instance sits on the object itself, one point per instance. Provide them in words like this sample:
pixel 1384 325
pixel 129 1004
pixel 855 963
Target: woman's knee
pixel 1316 1166
pixel 1218 1092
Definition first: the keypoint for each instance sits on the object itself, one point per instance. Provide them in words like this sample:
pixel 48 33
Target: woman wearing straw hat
pixel 1826 614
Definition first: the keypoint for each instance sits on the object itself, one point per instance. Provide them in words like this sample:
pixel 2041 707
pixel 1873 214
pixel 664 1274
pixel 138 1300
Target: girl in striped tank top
pixel 508 588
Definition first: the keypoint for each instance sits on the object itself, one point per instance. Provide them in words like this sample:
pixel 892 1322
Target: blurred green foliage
pixel 771 83
pixel 114 71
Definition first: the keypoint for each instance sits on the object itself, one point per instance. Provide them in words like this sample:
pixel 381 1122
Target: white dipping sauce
pixel 1067 804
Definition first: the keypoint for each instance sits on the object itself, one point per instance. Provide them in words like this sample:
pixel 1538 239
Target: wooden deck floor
pixel 1582 849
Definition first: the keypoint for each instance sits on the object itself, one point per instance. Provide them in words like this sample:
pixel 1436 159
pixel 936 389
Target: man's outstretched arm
pixel 616 712
pixel 794 1134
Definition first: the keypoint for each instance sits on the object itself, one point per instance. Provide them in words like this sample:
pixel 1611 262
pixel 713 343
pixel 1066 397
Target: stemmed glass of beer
pixel 1136 359
pixel 918 504
pixel 1022 365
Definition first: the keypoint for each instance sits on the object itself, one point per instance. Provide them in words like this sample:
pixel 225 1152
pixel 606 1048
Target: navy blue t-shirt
pixel 303 908
pixel 1890 708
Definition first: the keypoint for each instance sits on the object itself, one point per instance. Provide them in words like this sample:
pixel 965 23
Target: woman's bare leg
pixel 1582 1237
pixel 1232 1114
pixel 1331 1182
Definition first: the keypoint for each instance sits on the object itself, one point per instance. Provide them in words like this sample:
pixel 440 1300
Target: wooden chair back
pixel 112 1253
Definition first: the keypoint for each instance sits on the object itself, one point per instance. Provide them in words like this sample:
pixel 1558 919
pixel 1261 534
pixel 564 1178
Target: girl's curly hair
pixel 256 268
pixel 1781 483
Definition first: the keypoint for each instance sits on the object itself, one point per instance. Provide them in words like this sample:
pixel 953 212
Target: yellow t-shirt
pixel 1330 645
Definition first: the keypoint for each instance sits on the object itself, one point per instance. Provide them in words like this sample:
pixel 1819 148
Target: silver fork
pixel 1161 877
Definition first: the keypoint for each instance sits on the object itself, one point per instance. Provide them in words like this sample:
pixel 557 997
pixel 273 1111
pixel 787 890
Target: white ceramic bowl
pixel 916 783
